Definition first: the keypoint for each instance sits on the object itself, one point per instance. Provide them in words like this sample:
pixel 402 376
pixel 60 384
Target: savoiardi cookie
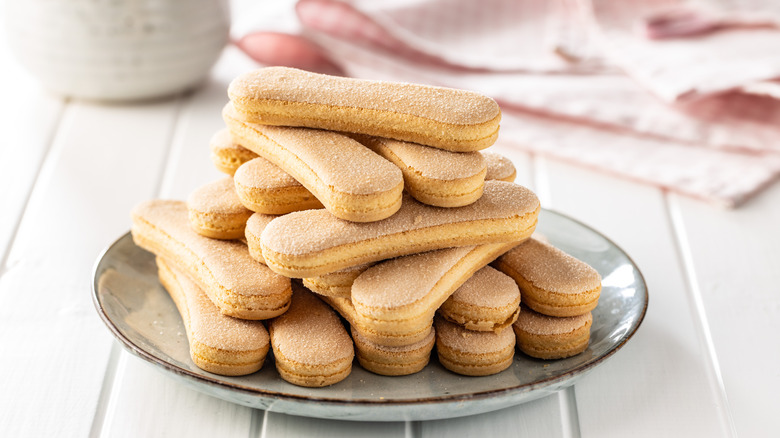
pixel 550 337
pixel 311 347
pixel 434 176
pixel 263 187
pixel 351 181
pixel 445 118
pixel 234 282
pixel 488 301
pixel 312 243
pixel 215 211
pixel 473 353
pixel 551 281
pixel 226 154
pixel 219 343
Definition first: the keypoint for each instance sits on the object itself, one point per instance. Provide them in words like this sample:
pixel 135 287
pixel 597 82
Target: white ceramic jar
pixel 117 50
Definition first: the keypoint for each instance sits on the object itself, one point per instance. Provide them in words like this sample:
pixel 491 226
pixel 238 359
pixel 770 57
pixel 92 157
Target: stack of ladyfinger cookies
pixel 370 200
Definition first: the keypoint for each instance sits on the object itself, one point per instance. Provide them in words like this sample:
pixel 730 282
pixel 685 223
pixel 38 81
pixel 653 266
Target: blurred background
pixel 676 94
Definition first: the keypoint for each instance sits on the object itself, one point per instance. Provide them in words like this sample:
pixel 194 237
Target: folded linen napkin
pixel 559 95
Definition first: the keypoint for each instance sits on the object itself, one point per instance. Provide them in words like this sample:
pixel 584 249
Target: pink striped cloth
pixel 564 91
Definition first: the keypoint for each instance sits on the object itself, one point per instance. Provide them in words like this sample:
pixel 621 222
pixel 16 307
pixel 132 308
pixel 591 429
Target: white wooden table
pixel 703 364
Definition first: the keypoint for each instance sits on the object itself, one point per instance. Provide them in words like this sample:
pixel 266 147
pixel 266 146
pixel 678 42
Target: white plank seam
pixel 567 400
pixel 413 429
pixel 49 142
pixel 107 415
pixel 264 426
pixel 114 368
pixel 570 418
pixel 256 423
pixel 699 315
pixel 105 391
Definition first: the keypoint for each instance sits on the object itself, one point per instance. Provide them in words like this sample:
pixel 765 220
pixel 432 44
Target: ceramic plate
pixel 140 314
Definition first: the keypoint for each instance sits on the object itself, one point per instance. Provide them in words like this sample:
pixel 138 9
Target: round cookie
pixel 226 154
pixel 473 353
pixel 215 211
pixel 488 301
pixel 265 188
pixel 551 281
pixel 549 337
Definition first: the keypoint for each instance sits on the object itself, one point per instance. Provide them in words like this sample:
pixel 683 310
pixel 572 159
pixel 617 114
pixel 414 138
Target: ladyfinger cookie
pixel 254 227
pixel 499 167
pixel 473 353
pixel 345 308
pixel 434 176
pixel 226 154
pixel 313 242
pixel 393 361
pixel 336 284
pixel 445 118
pixel 311 346
pixel 550 337
pixel 399 297
pixel 350 180
pixel 488 301
pixel 235 283
pixel 219 344
pixel 265 188
pixel 551 281
pixel 215 210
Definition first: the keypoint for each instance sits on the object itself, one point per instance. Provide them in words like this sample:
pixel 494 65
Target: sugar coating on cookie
pixel 226 154
pixel 393 361
pixel 400 296
pixel 447 118
pixel 312 242
pixel 473 353
pixel 265 188
pixel 234 282
pixel 403 280
pixel 434 176
pixel 488 301
pixel 382 337
pixel 351 181
pixel 336 284
pixel 254 228
pixel 218 343
pixel 215 210
pixel 551 281
pixel 499 167
pixel 311 346
pixel 549 337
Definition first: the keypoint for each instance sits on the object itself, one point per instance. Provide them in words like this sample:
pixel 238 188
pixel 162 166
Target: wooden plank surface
pixel 657 385
pixel 28 120
pixel 55 348
pixel 733 257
